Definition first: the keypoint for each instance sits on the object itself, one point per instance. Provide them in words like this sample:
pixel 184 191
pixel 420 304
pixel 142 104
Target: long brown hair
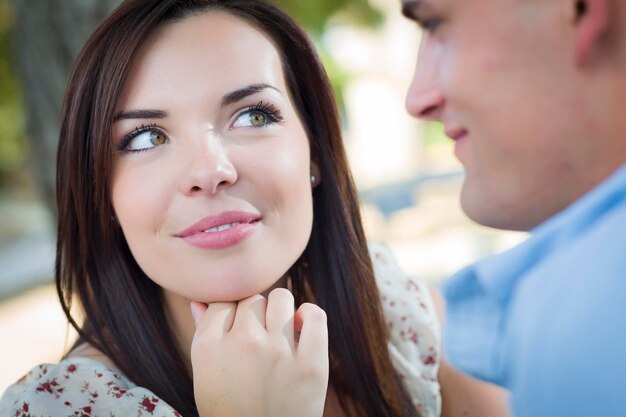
pixel 124 311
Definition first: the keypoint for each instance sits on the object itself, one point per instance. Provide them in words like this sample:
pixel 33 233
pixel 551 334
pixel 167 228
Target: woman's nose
pixel 425 99
pixel 209 168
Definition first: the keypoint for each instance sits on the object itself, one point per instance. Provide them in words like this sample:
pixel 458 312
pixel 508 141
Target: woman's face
pixel 211 179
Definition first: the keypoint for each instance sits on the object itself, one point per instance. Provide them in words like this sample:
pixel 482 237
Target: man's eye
pixel 146 140
pixel 430 25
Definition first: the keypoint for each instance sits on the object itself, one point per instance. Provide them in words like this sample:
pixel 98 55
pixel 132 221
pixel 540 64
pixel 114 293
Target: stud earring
pixel 313 179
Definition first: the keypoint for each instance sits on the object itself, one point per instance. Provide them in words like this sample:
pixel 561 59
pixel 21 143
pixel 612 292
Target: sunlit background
pixel 406 173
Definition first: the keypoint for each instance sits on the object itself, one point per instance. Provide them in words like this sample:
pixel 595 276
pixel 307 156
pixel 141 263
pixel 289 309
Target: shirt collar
pixel 497 275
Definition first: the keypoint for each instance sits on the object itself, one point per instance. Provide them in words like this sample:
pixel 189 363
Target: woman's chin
pixel 238 294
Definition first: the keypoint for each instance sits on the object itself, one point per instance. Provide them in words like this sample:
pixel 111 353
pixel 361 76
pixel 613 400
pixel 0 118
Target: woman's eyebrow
pixel 239 94
pixel 229 98
pixel 140 114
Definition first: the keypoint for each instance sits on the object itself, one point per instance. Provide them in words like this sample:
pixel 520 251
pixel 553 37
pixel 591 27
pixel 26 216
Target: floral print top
pixel 414 330
pixel 82 387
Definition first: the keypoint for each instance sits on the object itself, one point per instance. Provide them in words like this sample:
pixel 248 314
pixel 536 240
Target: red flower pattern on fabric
pixel 149 404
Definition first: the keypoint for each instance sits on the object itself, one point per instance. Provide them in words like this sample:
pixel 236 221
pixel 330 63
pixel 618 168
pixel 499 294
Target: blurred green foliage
pixel 435 134
pixel 13 145
pixel 315 15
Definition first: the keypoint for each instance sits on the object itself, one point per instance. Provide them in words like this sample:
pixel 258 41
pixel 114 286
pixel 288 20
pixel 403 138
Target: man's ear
pixel 592 21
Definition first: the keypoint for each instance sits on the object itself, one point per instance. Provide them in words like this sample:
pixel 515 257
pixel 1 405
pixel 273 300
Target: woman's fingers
pixel 279 315
pixel 276 315
pixel 252 366
pixel 216 319
pixel 310 321
pixel 250 313
pixel 197 311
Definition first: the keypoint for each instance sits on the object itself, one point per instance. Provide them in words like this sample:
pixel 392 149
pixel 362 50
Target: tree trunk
pixel 48 35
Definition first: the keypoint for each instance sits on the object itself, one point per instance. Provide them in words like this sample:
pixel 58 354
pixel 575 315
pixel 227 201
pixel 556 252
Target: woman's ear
pixel 592 23
pixel 316 175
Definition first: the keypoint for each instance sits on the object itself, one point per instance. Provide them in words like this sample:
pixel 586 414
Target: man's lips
pixel 219 222
pixel 456 133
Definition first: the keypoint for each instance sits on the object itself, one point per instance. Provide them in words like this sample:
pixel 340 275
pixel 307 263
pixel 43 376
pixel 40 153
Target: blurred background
pixel 408 178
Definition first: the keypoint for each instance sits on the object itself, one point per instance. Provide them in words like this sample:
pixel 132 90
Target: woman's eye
pixel 251 119
pixel 261 114
pixel 146 140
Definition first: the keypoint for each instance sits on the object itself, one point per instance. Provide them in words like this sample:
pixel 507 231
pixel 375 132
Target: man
pixel 533 93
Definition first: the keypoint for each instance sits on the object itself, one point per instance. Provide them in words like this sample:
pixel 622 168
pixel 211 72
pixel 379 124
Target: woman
pixel 200 163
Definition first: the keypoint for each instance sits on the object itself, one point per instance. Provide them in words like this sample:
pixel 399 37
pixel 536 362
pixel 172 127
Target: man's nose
pixel 425 99
pixel 209 168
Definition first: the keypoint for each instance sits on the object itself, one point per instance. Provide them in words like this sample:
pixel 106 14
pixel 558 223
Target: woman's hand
pixel 248 361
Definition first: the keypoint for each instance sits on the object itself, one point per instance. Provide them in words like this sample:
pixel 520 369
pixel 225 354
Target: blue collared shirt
pixel 547 319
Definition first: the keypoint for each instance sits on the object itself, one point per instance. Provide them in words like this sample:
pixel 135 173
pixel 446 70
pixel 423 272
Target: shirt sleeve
pixel 414 330
pixel 79 387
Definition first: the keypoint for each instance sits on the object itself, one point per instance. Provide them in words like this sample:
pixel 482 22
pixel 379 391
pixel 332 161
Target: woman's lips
pixel 222 230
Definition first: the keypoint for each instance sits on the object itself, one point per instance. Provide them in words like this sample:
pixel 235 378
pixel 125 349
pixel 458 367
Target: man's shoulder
pixel 597 253
pixel 564 346
pixel 566 331
pixel 582 283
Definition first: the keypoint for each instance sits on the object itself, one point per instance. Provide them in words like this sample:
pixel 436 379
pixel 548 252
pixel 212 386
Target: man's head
pixel 534 94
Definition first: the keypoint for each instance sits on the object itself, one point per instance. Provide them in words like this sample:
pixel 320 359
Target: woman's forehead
pixel 213 48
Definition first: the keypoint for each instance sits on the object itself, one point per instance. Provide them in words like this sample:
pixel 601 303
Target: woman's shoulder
pixel 413 326
pixel 400 291
pixel 79 386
